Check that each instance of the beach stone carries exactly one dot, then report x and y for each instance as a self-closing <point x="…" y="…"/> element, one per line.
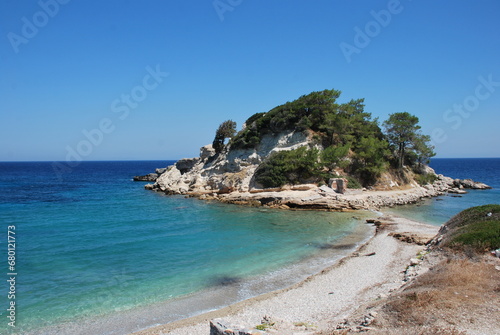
<point x="414" y="261"/>
<point x="457" y="191"/>
<point x="222" y="327"/>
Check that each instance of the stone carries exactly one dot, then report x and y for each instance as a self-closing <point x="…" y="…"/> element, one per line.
<point x="186" y="164"/>
<point x="207" y="151"/>
<point x="326" y="189"/>
<point x="312" y="198"/>
<point x="456" y="191"/>
<point x="338" y="184"/>
<point x="469" y="183"/>
<point x="160" y="171"/>
<point x="148" y="177"/>
<point x="221" y="327"/>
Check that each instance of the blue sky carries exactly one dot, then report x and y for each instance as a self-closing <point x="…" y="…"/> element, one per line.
<point x="119" y="80"/>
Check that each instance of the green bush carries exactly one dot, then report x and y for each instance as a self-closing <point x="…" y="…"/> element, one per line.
<point x="333" y="157"/>
<point x="288" y="167"/>
<point x="476" y="227"/>
<point x="481" y="235"/>
<point x="424" y="179"/>
<point x="353" y="183"/>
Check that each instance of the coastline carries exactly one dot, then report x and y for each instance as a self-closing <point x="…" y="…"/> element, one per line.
<point x="322" y="300"/>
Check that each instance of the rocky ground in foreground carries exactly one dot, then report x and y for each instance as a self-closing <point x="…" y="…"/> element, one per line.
<point x="453" y="287"/>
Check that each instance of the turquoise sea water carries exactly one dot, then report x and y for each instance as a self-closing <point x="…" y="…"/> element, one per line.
<point x="440" y="209"/>
<point x="98" y="254"/>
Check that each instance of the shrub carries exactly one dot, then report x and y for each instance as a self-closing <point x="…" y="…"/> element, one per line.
<point x="288" y="167"/>
<point x="481" y="235"/>
<point x="476" y="227"/>
<point x="333" y="156"/>
<point x="353" y="183"/>
<point x="424" y="179"/>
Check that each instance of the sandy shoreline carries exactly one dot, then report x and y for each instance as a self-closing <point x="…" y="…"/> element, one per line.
<point x="325" y="299"/>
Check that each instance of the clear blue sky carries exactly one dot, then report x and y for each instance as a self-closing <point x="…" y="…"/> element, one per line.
<point x="68" y="69"/>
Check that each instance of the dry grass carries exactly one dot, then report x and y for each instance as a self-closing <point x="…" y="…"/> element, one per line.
<point x="454" y="293"/>
<point x="420" y="331"/>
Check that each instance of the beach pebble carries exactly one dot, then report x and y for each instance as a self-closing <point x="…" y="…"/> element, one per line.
<point x="414" y="261"/>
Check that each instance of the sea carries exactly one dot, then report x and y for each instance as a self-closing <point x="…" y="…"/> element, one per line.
<point x="86" y="250"/>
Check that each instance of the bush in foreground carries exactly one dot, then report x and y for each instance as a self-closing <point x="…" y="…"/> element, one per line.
<point x="477" y="228"/>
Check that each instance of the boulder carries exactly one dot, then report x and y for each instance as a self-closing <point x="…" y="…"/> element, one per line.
<point x="221" y="327"/>
<point x="206" y="152"/>
<point x="186" y="164"/>
<point x="148" y="177"/>
<point x="326" y="189"/>
<point x="160" y="171"/>
<point x="456" y="191"/>
<point x="469" y="183"/>
<point x="338" y="184"/>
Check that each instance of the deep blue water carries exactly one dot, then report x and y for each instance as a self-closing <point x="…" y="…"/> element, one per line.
<point x="98" y="254"/>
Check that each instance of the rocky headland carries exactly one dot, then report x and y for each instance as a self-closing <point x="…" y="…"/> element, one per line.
<point x="230" y="178"/>
<point x="313" y="153"/>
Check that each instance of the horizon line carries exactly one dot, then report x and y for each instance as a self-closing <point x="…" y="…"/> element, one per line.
<point x="158" y="160"/>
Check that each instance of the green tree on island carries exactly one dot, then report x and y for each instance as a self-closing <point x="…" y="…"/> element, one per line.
<point x="226" y="129"/>
<point x="403" y="134"/>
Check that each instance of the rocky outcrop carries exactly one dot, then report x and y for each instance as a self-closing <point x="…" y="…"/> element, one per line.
<point x="229" y="177"/>
<point x="226" y="172"/>
<point x="469" y="183"/>
<point x="150" y="176"/>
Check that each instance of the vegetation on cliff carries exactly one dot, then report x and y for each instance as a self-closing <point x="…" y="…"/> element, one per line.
<point x="477" y="228"/>
<point x="344" y="139"/>
<point x="226" y="129"/>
